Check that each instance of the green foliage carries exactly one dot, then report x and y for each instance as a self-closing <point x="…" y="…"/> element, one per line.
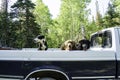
<point x="116" y="5"/>
<point x="98" y="16"/>
<point x="73" y="15"/>
<point x="43" y="16"/>
<point x="25" y="28"/>
<point x="4" y="29"/>
<point x="112" y="18"/>
<point x="55" y="35"/>
<point x="26" y="21"/>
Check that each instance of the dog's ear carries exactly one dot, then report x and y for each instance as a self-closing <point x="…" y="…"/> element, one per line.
<point x="41" y="36"/>
<point x="62" y="47"/>
<point x="74" y="45"/>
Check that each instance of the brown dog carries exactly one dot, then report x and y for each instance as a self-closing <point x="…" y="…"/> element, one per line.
<point x="68" y="45"/>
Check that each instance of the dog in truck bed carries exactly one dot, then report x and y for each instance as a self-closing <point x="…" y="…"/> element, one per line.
<point x="83" y="44"/>
<point x="68" y="45"/>
<point x="41" y="41"/>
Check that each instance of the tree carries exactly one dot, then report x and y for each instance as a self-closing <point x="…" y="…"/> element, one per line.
<point x="73" y="15"/>
<point x="27" y="28"/>
<point x="43" y="16"/>
<point x="112" y="17"/>
<point x="116" y="4"/>
<point x="4" y="28"/>
<point x="98" y="15"/>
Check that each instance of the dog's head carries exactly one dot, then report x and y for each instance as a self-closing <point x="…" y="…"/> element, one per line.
<point x="83" y="44"/>
<point x="68" y="45"/>
<point x="40" y="39"/>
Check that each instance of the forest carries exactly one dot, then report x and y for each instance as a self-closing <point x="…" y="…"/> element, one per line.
<point x="25" y="20"/>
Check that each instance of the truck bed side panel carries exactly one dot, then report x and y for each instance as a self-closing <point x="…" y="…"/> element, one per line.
<point x="78" y="64"/>
<point x="77" y="69"/>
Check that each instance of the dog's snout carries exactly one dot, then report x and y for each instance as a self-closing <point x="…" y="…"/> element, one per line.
<point x="43" y="41"/>
<point x="34" y="40"/>
<point x="84" y="45"/>
<point x="70" y="46"/>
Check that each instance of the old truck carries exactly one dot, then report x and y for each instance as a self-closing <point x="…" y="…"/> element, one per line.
<point x="101" y="61"/>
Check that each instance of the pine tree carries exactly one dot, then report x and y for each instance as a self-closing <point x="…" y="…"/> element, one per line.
<point x="28" y="28"/>
<point x="4" y="28"/>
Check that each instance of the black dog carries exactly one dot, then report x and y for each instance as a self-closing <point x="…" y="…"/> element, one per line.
<point x="40" y="39"/>
<point x="83" y="44"/>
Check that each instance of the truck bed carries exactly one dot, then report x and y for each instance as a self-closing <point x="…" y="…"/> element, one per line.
<point x="79" y="64"/>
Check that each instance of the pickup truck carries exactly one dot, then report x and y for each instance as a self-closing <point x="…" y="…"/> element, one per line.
<point x="101" y="61"/>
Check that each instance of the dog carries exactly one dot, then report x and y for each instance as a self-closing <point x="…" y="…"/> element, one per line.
<point x="83" y="44"/>
<point x="68" y="45"/>
<point x="40" y="39"/>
